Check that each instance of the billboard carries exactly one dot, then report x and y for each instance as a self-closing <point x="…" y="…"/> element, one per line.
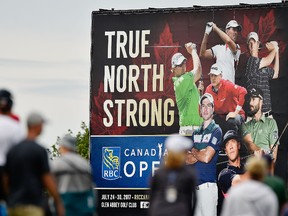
<point x="132" y="100"/>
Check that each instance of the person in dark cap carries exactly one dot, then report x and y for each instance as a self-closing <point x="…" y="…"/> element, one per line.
<point x="6" y="104"/>
<point x="74" y="179"/>
<point x="232" y="174"/>
<point x="27" y="174"/>
<point x="260" y="133"/>
<point x="11" y="132"/>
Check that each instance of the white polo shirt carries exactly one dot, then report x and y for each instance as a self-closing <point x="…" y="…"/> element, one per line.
<point x="11" y="133"/>
<point x="227" y="60"/>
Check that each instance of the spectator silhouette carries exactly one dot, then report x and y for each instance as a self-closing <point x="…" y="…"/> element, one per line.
<point x="11" y="133"/>
<point x="27" y="174"/>
<point x="73" y="176"/>
<point x="173" y="185"/>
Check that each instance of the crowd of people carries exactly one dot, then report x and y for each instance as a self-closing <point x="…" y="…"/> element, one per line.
<point x="233" y="117"/>
<point x="28" y="178"/>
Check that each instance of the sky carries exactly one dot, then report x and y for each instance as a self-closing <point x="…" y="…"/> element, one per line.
<point x="45" y="55"/>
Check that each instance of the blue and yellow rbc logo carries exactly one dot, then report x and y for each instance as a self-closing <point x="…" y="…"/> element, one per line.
<point x="111" y="163"/>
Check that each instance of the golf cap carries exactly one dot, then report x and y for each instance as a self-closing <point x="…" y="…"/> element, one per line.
<point x="231" y="134"/>
<point x="215" y="69"/>
<point x="209" y="97"/>
<point x="255" y="92"/>
<point x="177" y="59"/>
<point x="233" y="24"/>
<point x="177" y="143"/>
<point x="35" y="118"/>
<point x="6" y="99"/>
<point x="68" y="141"/>
<point x="253" y="35"/>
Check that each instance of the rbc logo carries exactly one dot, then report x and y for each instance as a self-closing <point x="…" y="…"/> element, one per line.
<point x="111" y="163"/>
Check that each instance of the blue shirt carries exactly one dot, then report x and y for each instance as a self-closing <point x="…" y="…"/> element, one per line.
<point x="202" y="138"/>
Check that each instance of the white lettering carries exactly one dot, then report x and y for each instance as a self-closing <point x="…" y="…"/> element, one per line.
<point x="121" y="77"/>
<point x="133" y="78"/>
<point x="137" y="45"/>
<point x="109" y="78"/>
<point x="168" y="103"/>
<point x="146" y="69"/>
<point x="159" y="77"/>
<point x="107" y="122"/>
<point x="129" y="76"/>
<point x="121" y="43"/>
<point x="144" y="112"/>
<point x="119" y="103"/>
<point x="155" y="112"/>
<point x="144" y="43"/>
<point x="143" y="167"/>
<point x="132" y="40"/>
<point x="109" y="44"/>
<point x="155" y="166"/>
<point x="130" y="112"/>
<point x="133" y="169"/>
<point x="130" y="168"/>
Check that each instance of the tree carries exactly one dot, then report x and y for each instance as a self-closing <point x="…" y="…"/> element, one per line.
<point x="82" y="143"/>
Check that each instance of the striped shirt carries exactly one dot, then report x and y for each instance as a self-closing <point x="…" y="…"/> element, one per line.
<point x="259" y="78"/>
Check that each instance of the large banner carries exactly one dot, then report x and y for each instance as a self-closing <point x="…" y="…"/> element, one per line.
<point x="132" y="99"/>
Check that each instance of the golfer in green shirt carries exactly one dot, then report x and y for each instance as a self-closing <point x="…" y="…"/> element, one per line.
<point x="260" y="133"/>
<point x="186" y="92"/>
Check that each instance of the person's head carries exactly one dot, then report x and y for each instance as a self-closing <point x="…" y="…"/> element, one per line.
<point x="67" y="144"/>
<point x="178" y="64"/>
<point x="231" y="145"/>
<point x="35" y="123"/>
<point x="215" y="75"/>
<point x="177" y="147"/>
<point x="232" y="29"/>
<point x="256" y="168"/>
<point x="6" y="101"/>
<point x="255" y="98"/>
<point x="253" y="42"/>
<point x="206" y="106"/>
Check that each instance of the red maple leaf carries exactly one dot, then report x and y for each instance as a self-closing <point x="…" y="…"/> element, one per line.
<point x="248" y="27"/>
<point x="266" y="26"/>
<point x="164" y="54"/>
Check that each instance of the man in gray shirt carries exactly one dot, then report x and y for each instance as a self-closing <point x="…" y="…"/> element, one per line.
<point x="73" y="176"/>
